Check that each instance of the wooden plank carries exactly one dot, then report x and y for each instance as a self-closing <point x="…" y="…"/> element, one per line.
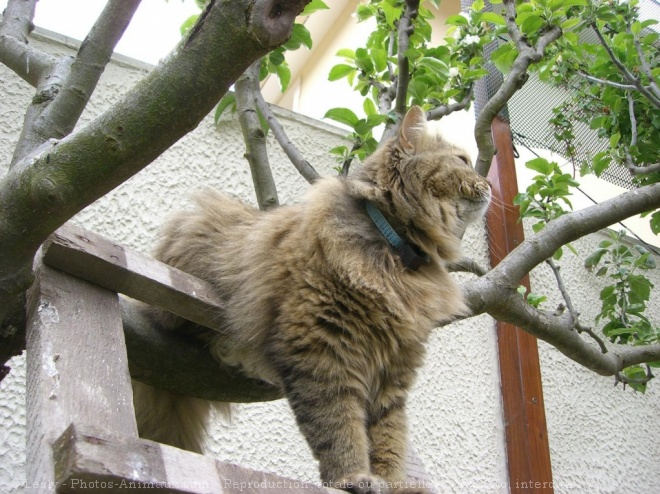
<point x="91" y="257"/>
<point x="76" y="367"/>
<point x="528" y="452"/>
<point x="88" y="459"/>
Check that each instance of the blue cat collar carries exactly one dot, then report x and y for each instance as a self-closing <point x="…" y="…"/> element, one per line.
<point x="411" y="256"/>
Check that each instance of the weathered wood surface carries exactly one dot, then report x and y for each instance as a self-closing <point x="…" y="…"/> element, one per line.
<point x="91" y="257"/>
<point x="527" y="447"/>
<point x="77" y="371"/>
<point x="164" y="360"/>
<point x="87" y="459"/>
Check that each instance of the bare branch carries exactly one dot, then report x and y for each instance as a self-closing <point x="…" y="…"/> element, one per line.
<point x="466" y="265"/>
<point x="646" y="67"/>
<point x="495" y="291"/>
<point x="570" y="227"/>
<point x="398" y="91"/>
<point x="443" y="110"/>
<point x="68" y="86"/>
<point x="59" y="179"/>
<point x="26" y="61"/>
<point x="635" y="81"/>
<point x="605" y="82"/>
<point x="406" y="29"/>
<point x="505" y="304"/>
<point x="94" y="54"/>
<point x="247" y="86"/>
<point x="518" y="75"/>
<point x="564" y="292"/>
<point x="575" y="315"/>
<point x="643" y="170"/>
<point x="303" y="166"/>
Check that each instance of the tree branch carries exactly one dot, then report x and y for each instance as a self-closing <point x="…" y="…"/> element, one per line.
<point x="627" y="75"/>
<point x="646" y="67"/>
<point x="443" y="110"/>
<point x="247" y="86"/>
<point x="518" y="75"/>
<point x="59" y="179"/>
<point x="495" y="292"/>
<point x="399" y="88"/>
<point x="56" y="110"/>
<point x="466" y="265"/>
<point x="406" y="28"/>
<point x="26" y="61"/>
<point x="605" y="82"/>
<point x="505" y="304"/>
<point x="303" y="166"/>
<point x="575" y="315"/>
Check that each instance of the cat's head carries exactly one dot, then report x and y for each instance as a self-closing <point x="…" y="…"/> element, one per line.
<point x="425" y="185"/>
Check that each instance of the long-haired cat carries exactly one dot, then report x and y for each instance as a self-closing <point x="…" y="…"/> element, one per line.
<point x="332" y="300"/>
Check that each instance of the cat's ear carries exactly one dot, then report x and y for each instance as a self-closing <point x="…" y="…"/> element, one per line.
<point x="412" y="130"/>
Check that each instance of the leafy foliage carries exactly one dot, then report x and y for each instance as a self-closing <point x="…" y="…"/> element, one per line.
<point x="435" y="74"/>
<point x="610" y="62"/>
<point x="546" y="198"/>
<point x="624" y="301"/>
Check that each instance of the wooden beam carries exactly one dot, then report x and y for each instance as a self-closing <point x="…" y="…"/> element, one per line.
<point x="528" y="452"/>
<point x="190" y="369"/>
<point x="90" y="460"/>
<point x="76" y="367"/>
<point x="91" y="257"/>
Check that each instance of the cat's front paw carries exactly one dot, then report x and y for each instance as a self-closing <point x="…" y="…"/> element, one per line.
<point x="363" y="483"/>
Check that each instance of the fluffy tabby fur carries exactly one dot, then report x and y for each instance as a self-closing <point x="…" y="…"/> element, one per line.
<point x="318" y="303"/>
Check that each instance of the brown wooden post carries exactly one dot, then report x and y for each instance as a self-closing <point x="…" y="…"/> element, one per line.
<point x="77" y="370"/>
<point x="528" y="453"/>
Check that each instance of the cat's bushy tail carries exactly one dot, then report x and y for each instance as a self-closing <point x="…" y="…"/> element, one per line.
<point x="172" y="418"/>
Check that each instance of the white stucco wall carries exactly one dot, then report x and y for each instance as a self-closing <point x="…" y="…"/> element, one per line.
<point x="602" y="439"/>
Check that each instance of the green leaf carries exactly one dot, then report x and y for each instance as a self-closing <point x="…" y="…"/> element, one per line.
<point x="493" y="17"/>
<point x="346" y="53"/>
<point x="284" y="74"/>
<point x="369" y="107"/>
<point x="478" y="5"/>
<point x="392" y="12"/>
<point x="540" y="165"/>
<point x="535" y="300"/>
<point x="225" y="102"/>
<point x="342" y="115"/>
<point x="188" y="24"/>
<point x="299" y="36"/>
<point x="339" y="71"/>
<point x="607" y="292"/>
<point x="600" y="162"/>
<point x="503" y="57"/>
<point x="314" y="6"/>
<point x="570" y="23"/>
<point x="456" y="20"/>
<point x="655" y="222"/>
<point x="594" y="258"/>
<point x="532" y="24"/>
